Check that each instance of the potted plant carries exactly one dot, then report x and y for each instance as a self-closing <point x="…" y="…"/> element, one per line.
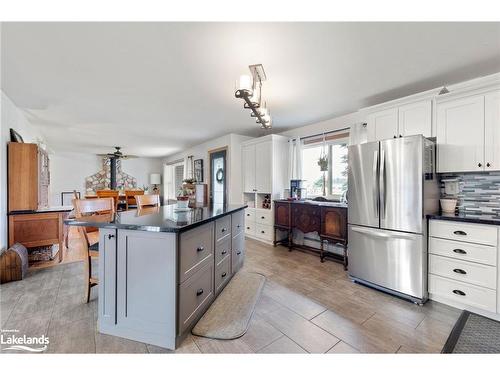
<point x="323" y="163"/>
<point x="183" y="197"/>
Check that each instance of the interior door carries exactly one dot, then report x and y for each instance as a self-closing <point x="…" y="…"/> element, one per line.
<point x="248" y="168"/>
<point x="492" y="131"/>
<point x="263" y="167"/>
<point x="363" y="193"/>
<point x="218" y="181"/>
<point x="401" y="182"/>
<point x="460" y="135"/>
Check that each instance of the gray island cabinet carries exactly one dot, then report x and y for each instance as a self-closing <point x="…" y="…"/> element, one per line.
<point x="160" y="269"/>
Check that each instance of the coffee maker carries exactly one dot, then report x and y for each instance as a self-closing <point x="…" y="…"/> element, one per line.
<point x="297" y="191"/>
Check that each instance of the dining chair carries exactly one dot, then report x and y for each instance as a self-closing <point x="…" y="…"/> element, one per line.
<point x="130" y="201"/>
<point x="147" y="200"/>
<point x="115" y="194"/>
<point x="95" y="210"/>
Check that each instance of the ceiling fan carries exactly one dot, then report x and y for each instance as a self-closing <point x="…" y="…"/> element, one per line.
<point x="118" y="154"/>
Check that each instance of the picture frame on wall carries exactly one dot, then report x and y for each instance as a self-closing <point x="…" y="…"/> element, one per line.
<point x="198" y="170"/>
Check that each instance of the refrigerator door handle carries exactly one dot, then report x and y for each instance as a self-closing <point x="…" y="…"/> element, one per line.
<point x="378" y="234"/>
<point x="382" y="184"/>
<point x="375" y="185"/>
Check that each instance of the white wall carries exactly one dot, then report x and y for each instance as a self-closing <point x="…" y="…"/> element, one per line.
<point x="11" y="117"/>
<point x="69" y="170"/>
<point x="233" y="174"/>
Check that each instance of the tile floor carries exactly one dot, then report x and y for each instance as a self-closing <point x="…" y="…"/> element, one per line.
<point x="306" y="307"/>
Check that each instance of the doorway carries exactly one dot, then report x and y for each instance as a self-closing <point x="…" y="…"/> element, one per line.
<point x="218" y="179"/>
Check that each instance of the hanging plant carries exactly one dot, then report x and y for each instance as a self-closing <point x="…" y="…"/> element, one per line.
<point x="323" y="163"/>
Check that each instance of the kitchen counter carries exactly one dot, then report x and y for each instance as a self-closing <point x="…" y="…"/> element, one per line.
<point x="162" y="219"/>
<point x="467" y="218"/>
<point x="161" y="268"/>
<point x="44" y="210"/>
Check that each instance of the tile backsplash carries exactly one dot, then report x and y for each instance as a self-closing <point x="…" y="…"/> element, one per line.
<point x="479" y="193"/>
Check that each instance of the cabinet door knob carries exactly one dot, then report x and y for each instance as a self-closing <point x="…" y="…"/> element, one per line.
<point x="488" y="164"/>
<point x="395" y="137"/>
<point x="238" y="253"/>
<point x="224" y="274"/>
<point x="400" y="136"/>
<point x="224" y="252"/>
<point x="479" y="165"/>
<point x="460" y="233"/>
<point x="223" y="230"/>
<point x="110" y="236"/>
<point x="248" y="214"/>
<point x="199" y="292"/>
<point x="200" y="248"/>
<point x="248" y="227"/>
<point x="460" y="271"/>
<point x="262" y="217"/>
<point x="459" y="251"/>
<point x="459" y="292"/>
<point x="238" y="226"/>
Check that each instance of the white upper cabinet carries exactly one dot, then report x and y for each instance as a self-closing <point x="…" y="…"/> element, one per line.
<point x="263" y="167"/>
<point x="248" y="156"/>
<point x="383" y="124"/>
<point x="416" y="118"/>
<point x="492" y="131"/>
<point x="409" y="119"/>
<point x="460" y="134"/>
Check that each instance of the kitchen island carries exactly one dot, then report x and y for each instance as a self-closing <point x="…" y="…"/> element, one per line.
<point x="161" y="268"/>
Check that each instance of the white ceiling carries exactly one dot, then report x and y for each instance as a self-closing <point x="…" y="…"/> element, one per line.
<point x="156" y="88"/>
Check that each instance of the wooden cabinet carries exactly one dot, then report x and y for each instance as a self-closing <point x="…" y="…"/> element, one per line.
<point x="334" y="223"/>
<point x="492" y="131"/>
<point x="409" y="119"/>
<point x="460" y="135"/>
<point x="28" y="177"/>
<point x="263" y="167"/>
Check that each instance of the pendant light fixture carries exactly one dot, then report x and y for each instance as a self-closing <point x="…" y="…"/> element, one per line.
<point x="249" y="88"/>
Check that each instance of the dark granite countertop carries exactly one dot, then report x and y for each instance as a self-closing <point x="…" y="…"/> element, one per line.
<point x="316" y="203"/>
<point x="161" y="219"/>
<point x="467" y="218"/>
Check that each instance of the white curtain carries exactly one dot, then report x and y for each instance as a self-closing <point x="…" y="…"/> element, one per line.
<point x="358" y="134"/>
<point x="295" y="159"/>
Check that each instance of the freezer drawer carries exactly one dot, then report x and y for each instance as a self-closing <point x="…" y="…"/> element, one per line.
<point x="392" y="260"/>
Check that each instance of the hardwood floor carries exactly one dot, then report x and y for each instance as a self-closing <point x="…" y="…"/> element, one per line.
<point x="306" y="306"/>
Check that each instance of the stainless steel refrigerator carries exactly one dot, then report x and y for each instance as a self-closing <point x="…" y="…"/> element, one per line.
<point x="392" y="187"/>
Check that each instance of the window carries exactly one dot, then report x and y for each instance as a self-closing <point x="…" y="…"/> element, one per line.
<point x="333" y="182"/>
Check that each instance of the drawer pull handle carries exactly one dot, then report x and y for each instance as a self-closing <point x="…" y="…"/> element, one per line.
<point x="262" y="217"/>
<point x="460" y="233"/>
<point x="458" y="270"/>
<point x="224" y="274"/>
<point x="248" y="227"/>
<point x="459" y="251"/>
<point x="199" y="292"/>
<point x="248" y="214"/>
<point x="238" y="253"/>
<point x="238" y="226"/>
<point x="224" y="252"/>
<point x="459" y="292"/>
<point x="110" y="236"/>
<point x="201" y="248"/>
<point x="223" y="230"/>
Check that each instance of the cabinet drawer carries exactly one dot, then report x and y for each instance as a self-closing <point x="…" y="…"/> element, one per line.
<point x="195" y="250"/>
<point x="264" y="231"/>
<point x="463" y="251"/>
<point x="474" y="273"/>
<point x="237" y="222"/>
<point x="475" y="233"/>
<point x="195" y="295"/>
<point x="264" y="217"/>
<point x="249" y="215"/>
<point x="238" y="252"/>
<point x="250" y="228"/>
<point x="463" y="293"/>
<point x="222" y="227"/>
<point x="222" y="249"/>
<point x="222" y="274"/>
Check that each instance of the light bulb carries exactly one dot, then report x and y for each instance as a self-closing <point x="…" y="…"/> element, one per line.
<point x="245" y="83"/>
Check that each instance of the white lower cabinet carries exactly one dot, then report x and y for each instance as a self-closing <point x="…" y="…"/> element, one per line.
<point x="259" y="224"/>
<point x="463" y="269"/>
